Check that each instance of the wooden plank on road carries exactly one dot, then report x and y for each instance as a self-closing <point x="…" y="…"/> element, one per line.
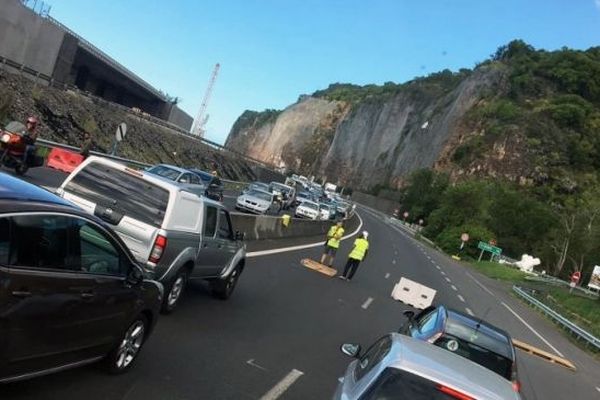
<point x="324" y="269"/>
<point x="544" y="354"/>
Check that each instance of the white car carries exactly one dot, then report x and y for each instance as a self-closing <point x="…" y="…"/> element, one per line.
<point x="308" y="209"/>
<point x="255" y="201"/>
<point x="325" y="212"/>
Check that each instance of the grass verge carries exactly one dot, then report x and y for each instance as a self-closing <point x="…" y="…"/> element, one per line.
<point x="499" y="271"/>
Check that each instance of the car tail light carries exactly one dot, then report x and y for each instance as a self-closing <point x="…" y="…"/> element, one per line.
<point x="160" y="243"/>
<point x="454" y="393"/>
<point x="516" y="386"/>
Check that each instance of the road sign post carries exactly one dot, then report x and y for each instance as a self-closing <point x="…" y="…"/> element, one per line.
<point x="119" y="136"/>
<point x="493" y="250"/>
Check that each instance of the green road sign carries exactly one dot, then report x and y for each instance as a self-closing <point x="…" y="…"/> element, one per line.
<point x="488" y="247"/>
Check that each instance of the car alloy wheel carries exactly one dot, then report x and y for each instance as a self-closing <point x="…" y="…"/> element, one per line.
<point x="131" y="344"/>
<point x="232" y="280"/>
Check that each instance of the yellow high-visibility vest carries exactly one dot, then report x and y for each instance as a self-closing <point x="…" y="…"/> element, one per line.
<point x="361" y="246"/>
<point x="331" y="231"/>
<point x="334" y="240"/>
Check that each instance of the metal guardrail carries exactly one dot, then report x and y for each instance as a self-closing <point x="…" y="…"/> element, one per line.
<point x="562" y="321"/>
<point x="50" y="144"/>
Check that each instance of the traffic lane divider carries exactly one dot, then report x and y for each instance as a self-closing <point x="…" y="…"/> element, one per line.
<point x="63" y="160"/>
<point x="271" y="227"/>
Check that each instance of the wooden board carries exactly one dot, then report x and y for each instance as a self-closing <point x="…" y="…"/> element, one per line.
<point x="544" y="354"/>
<point x="317" y="266"/>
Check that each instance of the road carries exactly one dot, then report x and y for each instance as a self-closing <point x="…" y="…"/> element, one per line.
<point x="287" y="321"/>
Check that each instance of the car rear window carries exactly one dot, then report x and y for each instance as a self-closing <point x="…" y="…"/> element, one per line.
<point x="122" y="192"/>
<point x="399" y="384"/>
<point x="165" y="172"/>
<point x="480" y="355"/>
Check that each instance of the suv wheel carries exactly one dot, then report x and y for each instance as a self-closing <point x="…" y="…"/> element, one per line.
<point x="174" y="292"/>
<point x="223" y="288"/>
<point x="121" y="358"/>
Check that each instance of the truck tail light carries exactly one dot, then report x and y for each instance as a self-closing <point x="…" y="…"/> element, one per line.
<point x="160" y="243"/>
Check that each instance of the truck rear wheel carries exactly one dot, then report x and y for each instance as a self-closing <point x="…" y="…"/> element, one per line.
<point x="174" y="291"/>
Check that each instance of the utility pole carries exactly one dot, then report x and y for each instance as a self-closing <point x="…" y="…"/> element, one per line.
<point x="200" y="121"/>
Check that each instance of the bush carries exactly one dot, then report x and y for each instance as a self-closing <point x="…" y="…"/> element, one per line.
<point x="449" y="239"/>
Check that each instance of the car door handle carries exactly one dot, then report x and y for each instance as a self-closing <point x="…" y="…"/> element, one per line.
<point x="21" y="293"/>
<point x="86" y="295"/>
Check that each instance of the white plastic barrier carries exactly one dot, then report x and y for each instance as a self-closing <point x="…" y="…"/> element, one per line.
<point x="414" y="294"/>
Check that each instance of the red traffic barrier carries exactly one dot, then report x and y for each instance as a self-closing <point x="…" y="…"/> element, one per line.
<point x="64" y="160"/>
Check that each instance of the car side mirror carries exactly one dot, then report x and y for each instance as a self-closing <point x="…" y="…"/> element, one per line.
<point x="135" y="276"/>
<point x="351" y="350"/>
<point x="410" y="315"/>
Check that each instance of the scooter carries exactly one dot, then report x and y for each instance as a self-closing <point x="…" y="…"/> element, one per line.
<point x="13" y="144"/>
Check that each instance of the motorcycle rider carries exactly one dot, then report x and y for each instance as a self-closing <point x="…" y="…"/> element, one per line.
<point x="29" y="136"/>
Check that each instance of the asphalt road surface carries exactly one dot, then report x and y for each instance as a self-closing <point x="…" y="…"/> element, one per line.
<point x="286" y="323"/>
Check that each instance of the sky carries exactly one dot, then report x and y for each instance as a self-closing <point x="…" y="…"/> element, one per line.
<point x="272" y="51"/>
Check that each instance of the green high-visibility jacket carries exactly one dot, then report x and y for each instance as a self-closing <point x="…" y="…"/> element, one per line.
<point x="361" y="246"/>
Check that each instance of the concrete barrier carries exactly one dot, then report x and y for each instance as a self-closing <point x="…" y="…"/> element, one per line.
<point x="269" y="227"/>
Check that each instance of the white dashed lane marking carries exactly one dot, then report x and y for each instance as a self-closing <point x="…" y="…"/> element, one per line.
<point x="367" y="303"/>
<point x="438" y="267"/>
<point x="442" y="272"/>
<point x="454" y="288"/>
<point x="461" y="298"/>
<point x="387" y="275"/>
<point x="448" y="280"/>
<point x="283" y="385"/>
<point x="393" y="261"/>
<point x="255" y="365"/>
<point x="469" y="311"/>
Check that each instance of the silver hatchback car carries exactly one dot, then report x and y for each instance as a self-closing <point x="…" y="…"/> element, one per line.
<point x="400" y="367"/>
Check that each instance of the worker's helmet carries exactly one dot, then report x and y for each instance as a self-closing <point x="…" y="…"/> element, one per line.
<point x="365" y="234"/>
<point x="32" y="120"/>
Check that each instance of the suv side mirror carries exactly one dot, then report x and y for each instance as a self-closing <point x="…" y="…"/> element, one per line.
<point x="135" y="276"/>
<point x="351" y="350"/>
<point x="410" y="315"/>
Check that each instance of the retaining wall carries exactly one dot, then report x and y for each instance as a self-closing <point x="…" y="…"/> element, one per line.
<point x="267" y="227"/>
<point x="384" y="205"/>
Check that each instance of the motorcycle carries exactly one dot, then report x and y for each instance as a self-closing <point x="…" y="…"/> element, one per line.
<point x="13" y="144"/>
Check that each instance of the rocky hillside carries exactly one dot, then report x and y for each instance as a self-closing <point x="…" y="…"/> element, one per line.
<point x="527" y="115"/>
<point x="65" y="115"/>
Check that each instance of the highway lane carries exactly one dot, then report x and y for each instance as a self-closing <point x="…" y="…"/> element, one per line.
<point x="285" y="318"/>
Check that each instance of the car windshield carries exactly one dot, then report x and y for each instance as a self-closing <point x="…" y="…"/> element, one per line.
<point x="259" y="195"/>
<point x="324" y="207"/>
<point x="15" y="127"/>
<point x="165" y="172"/>
<point x="399" y="384"/>
<point x="311" y="205"/>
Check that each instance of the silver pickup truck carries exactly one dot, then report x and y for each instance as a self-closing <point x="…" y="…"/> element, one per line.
<point x="176" y="235"/>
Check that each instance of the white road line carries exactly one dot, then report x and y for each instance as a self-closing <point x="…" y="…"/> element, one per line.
<point x="393" y="261"/>
<point x="461" y="298"/>
<point x="442" y="272"/>
<point x="300" y="247"/>
<point x="438" y="267"/>
<point x="367" y="303"/>
<point x="387" y="275"/>
<point x="448" y="280"/>
<point x="481" y="285"/>
<point x="252" y="363"/>
<point x="469" y="311"/>
<point x="283" y="385"/>
<point x="531" y="329"/>
<point x="454" y="288"/>
<point x="598" y="388"/>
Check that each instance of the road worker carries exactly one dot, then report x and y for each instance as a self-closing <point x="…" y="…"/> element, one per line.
<point x="358" y="253"/>
<point x="334" y="235"/>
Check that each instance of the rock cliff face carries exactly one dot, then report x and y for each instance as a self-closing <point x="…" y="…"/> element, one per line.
<point x="374" y="141"/>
